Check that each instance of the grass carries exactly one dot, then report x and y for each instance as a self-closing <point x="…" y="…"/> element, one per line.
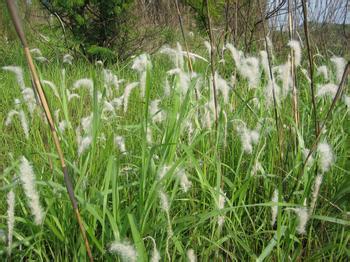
<point x="118" y="193"/>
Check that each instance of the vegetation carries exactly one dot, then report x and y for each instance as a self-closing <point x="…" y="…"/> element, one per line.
<point x="160" y="176"/>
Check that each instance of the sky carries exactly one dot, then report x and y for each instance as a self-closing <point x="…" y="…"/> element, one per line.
<point x="330" y="11"/>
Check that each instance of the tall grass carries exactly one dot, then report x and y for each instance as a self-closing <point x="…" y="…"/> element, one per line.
<point x="181" y="186"/>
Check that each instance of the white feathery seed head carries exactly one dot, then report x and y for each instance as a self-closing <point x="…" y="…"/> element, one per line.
<point x="156" y="113"/>
<point x="222" y="86"/>
<point x="208" y="47"/>
<point x="18" y="73"/>
<point x="191" y="256"/>
<point x="83" y="144"/>
<point x="67" y="59"/>
<point x="339" y="63"/>
<point x="140" y="63"/>
<point x="327" y="90"/>
<point x="125" y="250"/>
<point x="120" y="143"/>
<point x="315" y="191"/>
<point x="127" y="92"/>
<point x="236" y="55"/>
<point x="248" y="137"/>
<point x="86" y="83"/>
<point x="164" y="201"/>
<point x="28" y="182"/>
<point x="29" y="98"/>
<point x="323" y="70"/>
<point x="52" y="86"/>
<point x="325" y="156"/>
<point x="184" y="182"/>
<point x="36" y="52"/>
<point x="10" y="116"/>
<point x="10" y="219"/>
<point x="295" y="46"/>
<point x="274" y="208"/>
<point x="24" y="123"/>
<point x="303" y="218"/>
<point x="163" y="171"/>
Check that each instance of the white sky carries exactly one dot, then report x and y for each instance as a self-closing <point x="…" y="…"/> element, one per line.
<point x="330" y="11"/>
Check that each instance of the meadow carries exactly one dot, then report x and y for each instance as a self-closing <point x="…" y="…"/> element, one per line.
<point x="167" y="169"/>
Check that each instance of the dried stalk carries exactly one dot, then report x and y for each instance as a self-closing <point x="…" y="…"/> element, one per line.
<point x="269" y="58"/>
<point x="311" y="68"/>
<point x="40" y="92"/>
<point x="212" y="61"/>
<point x="293" y="68"/>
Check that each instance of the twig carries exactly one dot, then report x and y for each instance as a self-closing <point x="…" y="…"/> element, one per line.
<point x="19" y="29"/>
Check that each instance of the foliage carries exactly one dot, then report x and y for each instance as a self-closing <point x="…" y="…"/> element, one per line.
<point x="96" y="25"/>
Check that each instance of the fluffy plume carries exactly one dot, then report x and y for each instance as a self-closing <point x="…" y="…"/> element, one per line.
<point x="156" y="114"/>
<point x="164" y="201"/>
<point x="315" y="191"/>
<point x="41" y="59"/>
<point x="265" y="63"/>
<point x="339" y="64"/>
<point x="126" y="251"/>
<point x="52" y="86"/>
<point x="84" y="82"/>
<point x="272" y="87"/>
<point x="10" y="116"/>
<point x="248" y="137"/>
<point x="140" y="63"/>
<point x="86" y="123"/>
<point x="295" y="46"/>
<point x="222" y="86"/>
<point x="184" y="182"/>
<point x="257" y="168"/>
<point x="163" y="171"/>
<point x="36" y="52"/>
<point x="120" y="143"/>
<point x="303" y="218"/>
<point x="67" y="59"/>
<point x="10" y="219"/>
<point x="327" y="89"/>
<point x="24" y="123"/>
<point x="155" y="257"/>
<point x="110" y="80"/>
<point x="62" y="125"/>
<point x="29" y="98"/>
<point x="326" y="157"/>
<point x="28" y="181"/>
<point x="84" y="144"/>
<point x="249" y="68"/>
<point x="322" y="70"/>
<point x="274" y="208"/>
<point x="208" y="47"/>
<point x="19" y="74"/>
<point x="191" y="256"/>
<point x="221" y="205"/>
<point x="236" y="55"/>
<point x="127" y="93"/>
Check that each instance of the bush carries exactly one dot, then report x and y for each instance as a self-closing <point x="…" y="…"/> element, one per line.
<point x="97" y="25"/>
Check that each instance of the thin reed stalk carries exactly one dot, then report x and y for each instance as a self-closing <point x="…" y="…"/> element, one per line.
<point x="212" y="60"/>
<point x="311" y="68"/>
<point x="293" y="67"/>
<point x="40" y="92"/>
<point x="269" y="58"/>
